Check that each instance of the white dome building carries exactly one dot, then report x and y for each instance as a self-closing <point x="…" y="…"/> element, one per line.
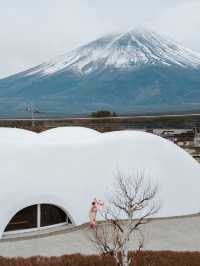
<point x="49" y="179"/>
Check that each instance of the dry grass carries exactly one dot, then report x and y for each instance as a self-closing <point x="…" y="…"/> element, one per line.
<point x="147" y="258"/>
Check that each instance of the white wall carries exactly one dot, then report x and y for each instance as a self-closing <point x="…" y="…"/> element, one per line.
<point x="75" y="165"/>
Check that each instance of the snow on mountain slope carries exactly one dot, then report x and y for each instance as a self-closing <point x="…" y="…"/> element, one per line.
<point x="126" y="50"/>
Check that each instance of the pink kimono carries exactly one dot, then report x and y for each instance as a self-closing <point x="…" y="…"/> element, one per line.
<point x="93" y="212"/>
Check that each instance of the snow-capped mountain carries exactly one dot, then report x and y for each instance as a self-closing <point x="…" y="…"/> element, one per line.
<point x="126" y="50"/>
<point x="138" y="70"/>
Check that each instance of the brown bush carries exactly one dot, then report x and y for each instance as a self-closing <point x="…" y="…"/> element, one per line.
<point x="67" y="260"/>
<point x="145" y="258"/>
<point x="167" y="258"/>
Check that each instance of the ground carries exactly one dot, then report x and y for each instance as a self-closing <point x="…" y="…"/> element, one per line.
<point x="176" y="233"/>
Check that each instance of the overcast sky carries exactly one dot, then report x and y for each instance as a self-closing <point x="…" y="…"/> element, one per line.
<point x="33" y="31"/>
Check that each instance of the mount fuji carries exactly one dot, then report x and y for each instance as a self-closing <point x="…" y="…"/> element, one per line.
<point x="135" y="71"/>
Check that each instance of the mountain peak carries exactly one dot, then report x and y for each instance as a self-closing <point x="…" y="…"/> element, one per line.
<point x="120" y="72"/>
<point x="130" y="49"/>
<point x="141" y="30"/>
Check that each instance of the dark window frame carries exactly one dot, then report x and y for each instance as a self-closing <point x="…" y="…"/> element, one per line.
<point x="37" y="217"/>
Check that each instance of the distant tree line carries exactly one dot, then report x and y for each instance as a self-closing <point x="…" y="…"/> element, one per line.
<point x="103" y="113"/>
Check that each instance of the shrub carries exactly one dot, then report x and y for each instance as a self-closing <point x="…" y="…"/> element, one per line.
<point x="144" y="258"/>
<point x="103" y="113"/>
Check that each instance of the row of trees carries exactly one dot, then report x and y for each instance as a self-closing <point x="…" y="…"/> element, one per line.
<point x="103" y="113"/>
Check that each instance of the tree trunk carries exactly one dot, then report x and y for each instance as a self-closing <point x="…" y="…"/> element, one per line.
<point x="125" y="260"/>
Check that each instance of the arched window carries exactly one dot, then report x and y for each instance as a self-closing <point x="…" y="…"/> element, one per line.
<point x="37" y="217"/>
<point x="51" y="215"/>
<point x="24" y="219"/>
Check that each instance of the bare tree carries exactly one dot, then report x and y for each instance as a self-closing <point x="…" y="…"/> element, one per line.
<point x="130" y="206"/>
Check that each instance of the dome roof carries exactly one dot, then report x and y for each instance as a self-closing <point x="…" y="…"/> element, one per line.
<point x="45" y="168"/>
<point x="68" y="134"/>
<point x="15" y="133"/>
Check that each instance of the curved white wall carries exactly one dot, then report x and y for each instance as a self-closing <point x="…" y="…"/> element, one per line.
<point x="74" y="165"/>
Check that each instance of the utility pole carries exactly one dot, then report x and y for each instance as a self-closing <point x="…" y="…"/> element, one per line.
<point x="31" y="110"/>
<point x="32" y="115"/>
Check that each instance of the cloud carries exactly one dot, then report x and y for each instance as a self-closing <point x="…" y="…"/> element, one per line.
<point x="35" y="31"/>
<point x="181" y="23"/>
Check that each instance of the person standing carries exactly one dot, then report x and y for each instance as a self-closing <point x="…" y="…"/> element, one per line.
<point x="93" y="212"/>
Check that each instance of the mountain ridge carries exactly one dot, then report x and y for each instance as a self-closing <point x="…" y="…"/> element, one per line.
<point x="135" y="70"/>
<point x="122" y="50"/>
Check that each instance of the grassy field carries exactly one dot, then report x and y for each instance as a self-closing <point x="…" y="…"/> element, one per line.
<point x="107" y="124"/>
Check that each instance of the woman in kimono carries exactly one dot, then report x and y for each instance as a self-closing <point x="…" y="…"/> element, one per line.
<point x="93" y="212"/>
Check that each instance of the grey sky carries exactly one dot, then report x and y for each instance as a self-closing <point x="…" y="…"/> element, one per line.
<point x="34" y="31"/>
